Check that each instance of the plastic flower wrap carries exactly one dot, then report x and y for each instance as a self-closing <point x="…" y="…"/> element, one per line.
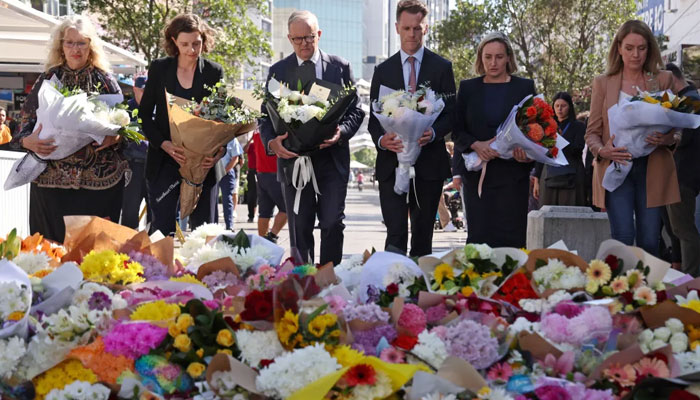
<point x="15" y="300"/>
<point x="408" y="115"/>
<point x="634" y="120"/>
<point x="246" y="251"/>
<point x="383" y="269"/>
<point x="108" y="266"/>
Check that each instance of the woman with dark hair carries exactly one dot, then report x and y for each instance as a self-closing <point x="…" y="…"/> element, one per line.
<point x="564" y="186"/>
<point x="499" y="216"/>
<point x="184" y="73"/>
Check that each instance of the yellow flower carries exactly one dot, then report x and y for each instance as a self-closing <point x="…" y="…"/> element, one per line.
<point x="599" y="272"/>
<point x="492" y="273"/>
<point x="347" y="356"/>
<point x="524" y="250"/>
<point x="467" y="291"/>
<point x="184" y="321"/>
<point x="484" y="391"/>
<point x="317" y="327"/>
<point x="694" y="345"/>
<point x="443" y="271"/>
<point x="200" y="353"/>
<point x="472" y="274"/>
<point x="651" y="100"/>
<point x="592" y="287"/>
<point x="173" y="330"/>
<point x="187" y="278"/>
<point x="224" y="338"/>
<point x="693" y="305"/>
<point x="287" y="327"/>
<point x="666" y="104"/>
<point x="224" y="351"/>
<point x="156" y="311"/>
<point x="183" y="343"/>
<point x="108" y="266"/>
<point x="196" y="369"/>
<point x="15" y="316"/>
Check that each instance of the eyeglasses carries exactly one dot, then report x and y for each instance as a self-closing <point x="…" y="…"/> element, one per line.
<point x="307" y="39"/>
<point x="80" y="45"/>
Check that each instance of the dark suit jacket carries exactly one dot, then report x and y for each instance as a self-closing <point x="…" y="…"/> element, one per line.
<point x="470" y="126"/>
<point x="687" y="155"/>
<point x="335" y="70"/>
<point x="435" y="71"/>
<point x="574" y="150"/>
<point x="162" y="76"/>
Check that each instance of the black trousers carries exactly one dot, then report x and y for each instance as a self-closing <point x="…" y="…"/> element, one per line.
<point x="134" y="192"/>
<point x="48" y="206"/>
<point x="396" y="210"/>
<point x="499" y="217"/>
<point x="164" y="198"/>
<point x="251" y="194"/>
<point x="329" y="206"/>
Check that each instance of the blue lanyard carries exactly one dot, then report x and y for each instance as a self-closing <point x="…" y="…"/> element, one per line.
<point x="565" y="128"/>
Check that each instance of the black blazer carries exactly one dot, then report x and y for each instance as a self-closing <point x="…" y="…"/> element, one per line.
<point x="574" y="151"/>
<point x="435" y="71"/>
<point x="335" y="70"/>
<point x="470" y="126"/>
<point x="162" y="76"/>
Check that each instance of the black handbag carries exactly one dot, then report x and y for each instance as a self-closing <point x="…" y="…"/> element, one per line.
<point x="567" y="181"/>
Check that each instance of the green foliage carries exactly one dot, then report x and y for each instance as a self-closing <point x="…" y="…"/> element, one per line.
<point x="10" y="247"/>
<point x="138" y="25"/>
<point x="367" y="156"/>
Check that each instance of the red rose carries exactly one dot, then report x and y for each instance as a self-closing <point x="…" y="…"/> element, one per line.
<point x="531" y="113"/>
<point x="265" y="363"/>
<point x="392" y="289"/>
<point x="554" y="151"/>
<point x="613" y="262"/>
<point x="661" y="296"/>
<point x="628" y="297"/>
<point x="258" y="306"/>
<point x="535" y="132"/>
<point x="405" y="342"/>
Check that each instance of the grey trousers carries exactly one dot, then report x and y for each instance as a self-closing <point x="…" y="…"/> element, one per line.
<point x="682" y="216"/>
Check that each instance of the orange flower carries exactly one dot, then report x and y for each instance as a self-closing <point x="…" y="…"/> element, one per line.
<point x="30" y="243"/>
<point x="106" y="366"/>
<point x="531" y="113"/>
<point x="551" y="129"/>
<point x="535" y="132"/>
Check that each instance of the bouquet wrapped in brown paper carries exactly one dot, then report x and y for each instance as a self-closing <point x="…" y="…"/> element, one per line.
<point x="202" y="129"/>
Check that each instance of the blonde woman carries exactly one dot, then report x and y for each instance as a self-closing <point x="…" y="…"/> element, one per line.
<point x="499" y="216"/>
<point x="634" y="208"/>
<point x="90" y="181"/>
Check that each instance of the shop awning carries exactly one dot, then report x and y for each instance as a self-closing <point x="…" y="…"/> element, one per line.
<point x="24" y="36"/>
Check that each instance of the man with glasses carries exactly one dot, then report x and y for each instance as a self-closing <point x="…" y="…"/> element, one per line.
<point x="331" y="163"/>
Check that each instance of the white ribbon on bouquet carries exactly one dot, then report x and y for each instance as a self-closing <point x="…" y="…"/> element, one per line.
<point x="508" y="137"/>
<point x="302" y="174"/>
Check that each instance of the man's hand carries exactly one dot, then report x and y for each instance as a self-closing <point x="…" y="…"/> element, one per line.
<point x="520" y="156"/>
<point x="108" y="141"/>
<point x="209" y="162"/>
<point x="484" y="151"/>
<point x="330" y="142"/>
<point x="176" y="152"/>
<point x="42" y="147"/>
<point x="425" y="138"/>
<point x="278" y="148"/>
<point x="391" y="142"/>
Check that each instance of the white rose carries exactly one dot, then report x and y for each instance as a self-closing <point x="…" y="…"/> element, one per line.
<point x="675" y="325"/>
<point x="294" y="96"/>
<point x="646" y="337"/>
<point x="662" y="333"/>
<point x="657" y="344"/>
<point x="120" y="117"/>
<point x="679" y="342"/>
<point x="427" y="106"/>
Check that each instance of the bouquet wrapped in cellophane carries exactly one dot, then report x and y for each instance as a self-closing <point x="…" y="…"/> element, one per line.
<point x="633" y="121"/>
<point x="202" y="129"/>
<point x="73" y="119"/>
<point x="408" y="115"/>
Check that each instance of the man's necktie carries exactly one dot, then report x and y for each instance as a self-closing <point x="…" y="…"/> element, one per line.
<point x="307" y="73"/>
<point x="412" y="75"/>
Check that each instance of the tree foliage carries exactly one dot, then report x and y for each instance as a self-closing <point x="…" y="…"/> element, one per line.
<point x="561" y="44"/>
<point x="367" y="156"/>
<point x="137" y="25"/>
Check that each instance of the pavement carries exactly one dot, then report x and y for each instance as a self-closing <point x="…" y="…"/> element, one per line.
<point x="363" y="226"/>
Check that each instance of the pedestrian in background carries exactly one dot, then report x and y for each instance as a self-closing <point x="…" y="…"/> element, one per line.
<point x="229" y="182"/>
<point x="5" y="133"/>
<point x="269" y="192"/>
<point x="251" y="196"/>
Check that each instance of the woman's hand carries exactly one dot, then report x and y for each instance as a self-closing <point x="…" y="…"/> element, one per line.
<point x="209" y="162"/>
<point x="108" y="141"/>
<point x="520" y="156"/>
<point x="42" y="147"/>
<point x="484" y="150"/>
<point x="660" y="139"/>
<point x="535" y="187"/>
<point x="176" y="152"/>
<point x="615" y="154"/>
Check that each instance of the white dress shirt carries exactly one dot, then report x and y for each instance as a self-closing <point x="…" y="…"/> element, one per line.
<point x="316" y="59"/>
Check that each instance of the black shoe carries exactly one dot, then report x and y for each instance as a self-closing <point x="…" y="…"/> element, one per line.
<point x="272" y="237"/>
<point x="250" y="220"/>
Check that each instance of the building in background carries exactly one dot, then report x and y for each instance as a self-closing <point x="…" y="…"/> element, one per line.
<point x="340" y="21"/>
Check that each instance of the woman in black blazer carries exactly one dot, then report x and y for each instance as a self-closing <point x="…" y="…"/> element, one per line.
<point x="499" y="216"/>
<point x="183" y="73"/>
<point x="565" y="185"/>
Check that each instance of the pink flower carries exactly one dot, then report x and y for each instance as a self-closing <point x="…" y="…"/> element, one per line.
<point x="652" y="367"/>
<point x="392" y="355"/>
<point x="561" y="366"/>
<point x="412" y="319"/>
<point x="440" y="331"/>
<point x="335" y="303"/>
<point x="646" y="295"/>
<point x="500" y="372"/>
<point x="624" y="376"/>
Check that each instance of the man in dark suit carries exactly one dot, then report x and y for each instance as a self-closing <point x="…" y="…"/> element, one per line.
<point x="331" y="163"/>
<point x="412" y="66"/>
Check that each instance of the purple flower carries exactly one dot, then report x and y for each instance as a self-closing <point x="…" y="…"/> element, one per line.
<point x="552" y="392"/>
<point x="367" y="341"/>
<point x="369" y="312"/>
<point x="134" y="339"/>
<point x="153" y="269"/>
<point x="372" y="294"/>
<point x="436" y="313"/>
<point x="568" y="309"/>
<point x="99" y="301"/>
<point x="220" y="278"/>
<point x="472" y="342"/>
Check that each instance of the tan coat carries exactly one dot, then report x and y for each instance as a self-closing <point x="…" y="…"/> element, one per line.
<point x="662" y="182"/>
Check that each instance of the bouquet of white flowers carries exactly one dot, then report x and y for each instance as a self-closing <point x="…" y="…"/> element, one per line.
<point x="408" y="115"/>
<point x="73" y="119"/>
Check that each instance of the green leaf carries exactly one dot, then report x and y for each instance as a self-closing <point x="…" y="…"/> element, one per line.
<point x="240" y="240"/>
<point x="540" y="263"/>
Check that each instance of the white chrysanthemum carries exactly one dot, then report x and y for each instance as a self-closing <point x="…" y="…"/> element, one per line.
<point x="522" y="324"/>
<point x="13" y="298"/>
<point x="120" y="117"/>
<point x="689" y="362"/>
<point x="646" y="337"/>
<point x="485" y="251"/>
<point x="431" y="349"/>
<point x="206" y="230"/>
<point x="42" y="354"/>
<point x="209" y="253"/>
<point x="188" y="249"/>
<point x="80" y="390"/>
<point x="32" y="263"/>
<point x="246" y="258"/>
<point x="675" y="325"/>
<point x="82" y="295"/>
<point x="496" y="394"/>
<point x="11" y="352"/>
<point x="292" y="371"/>
<point x="258" y="345"/>
<point x="438" y="396"/>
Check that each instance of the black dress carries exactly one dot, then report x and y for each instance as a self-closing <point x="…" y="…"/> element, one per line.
<point x="499" y="217"/>
<point x="162" y="177"/>
<point x="84" y="183"/>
